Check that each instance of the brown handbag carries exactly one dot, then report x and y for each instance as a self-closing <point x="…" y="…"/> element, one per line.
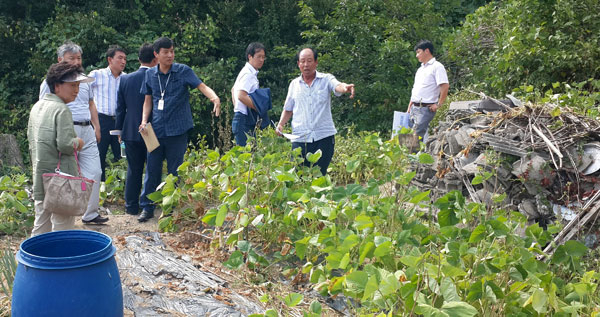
<point x="66" y="194"/>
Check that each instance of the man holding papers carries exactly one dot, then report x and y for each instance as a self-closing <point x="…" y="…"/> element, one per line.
<point x="166" y="88"/>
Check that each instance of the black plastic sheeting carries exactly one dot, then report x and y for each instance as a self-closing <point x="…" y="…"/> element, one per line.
<point x="159" y="282"/>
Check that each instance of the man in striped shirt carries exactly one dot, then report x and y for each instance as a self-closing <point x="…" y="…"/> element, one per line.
<point x="105" y="96"/>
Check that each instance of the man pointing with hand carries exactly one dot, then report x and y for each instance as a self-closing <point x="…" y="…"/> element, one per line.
<point x="309" y="102"/>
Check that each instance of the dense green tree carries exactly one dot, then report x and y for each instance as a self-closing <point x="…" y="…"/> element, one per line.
<point x="506" y="44"/>
<point x="365" y="42"/>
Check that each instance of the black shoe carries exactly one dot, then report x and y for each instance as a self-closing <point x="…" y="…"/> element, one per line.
<point x="98" y="220"/>
<point x="145" y="215"/>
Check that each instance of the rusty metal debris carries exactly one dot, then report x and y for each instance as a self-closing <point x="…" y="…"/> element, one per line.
<point x="526" y="157"/>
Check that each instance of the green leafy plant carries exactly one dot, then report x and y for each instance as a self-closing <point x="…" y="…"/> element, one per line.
<point x="16" y="209"/>
<point x="8" y="268"/>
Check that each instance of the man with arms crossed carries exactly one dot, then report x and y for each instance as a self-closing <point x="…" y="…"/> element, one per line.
<point x="245" y="84"/>
<point x="130" y="103"/>
<point x="309" y="102"/>
<point x="105" y="96"/>
<point x="166" y="88"/>
<point x="85" y="115"/>
<point x="429" y="90"/>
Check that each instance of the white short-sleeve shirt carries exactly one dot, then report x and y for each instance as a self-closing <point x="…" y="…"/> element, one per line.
<point x="311" y="107"/>
<point x="80" y="107"/>
<point x="428" y="79"/>
<point x="247" y="81"/>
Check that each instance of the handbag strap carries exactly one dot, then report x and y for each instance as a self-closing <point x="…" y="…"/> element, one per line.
<point x="76" y="160"/>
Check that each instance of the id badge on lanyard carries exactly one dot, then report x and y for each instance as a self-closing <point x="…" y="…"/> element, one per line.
<point x="161" y="101"/>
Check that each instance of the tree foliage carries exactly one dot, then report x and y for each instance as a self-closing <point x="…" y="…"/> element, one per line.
<point x="368" y="43"/>
<point x="507" y="44"/>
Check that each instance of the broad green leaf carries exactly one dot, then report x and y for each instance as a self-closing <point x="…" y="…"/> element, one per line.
<point x="236" y="259"/>
<point x="389" y="285"/>
<point x="452" y="271"/>
<point x="293" y="299"/>
<point x="475" y="291"/>
<point x="244" y="246"/>
<point x="449" y="290"/>
<point x="478" y="234"/>
<point x="500" y="229"/>
<point x="264" y="298"/>
<point x="478" y="179"/>
<point x="410" y="261"/>
<point x="210" y="217"/>
<point x="371" y="287"/>
<point x="221" y="215"/>
<point x="539" y="301"/>
<point x="366" y="251"/>
<point x="430" y="311"/>
<point x="155" y="196"/>
<point x="425" y="158"/>
<point x="383" y="249"/>
<point x="271" y="313"/>
<point x="356" y="282"/>
<point x="344" y="261"/>
<point x="362" y="221"/>
<point x="165" y="223"/>
<point x="350" y="241"/>
<point x="575" y="248"/>
<point x="419" y="197"/>
<point x="352" y="165"/>
<point x="315" y="307"/>
<point x="447" y="217"/>
<point x="314" y="157"/>
<point x="459" y="309"/>
<point x="286" y="177"/>
<point x="334" y="259"/>
<point x="301" y="246"/>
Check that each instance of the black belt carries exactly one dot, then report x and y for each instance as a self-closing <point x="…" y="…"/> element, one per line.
<point x="105" y="115"/>
<point x="420" y="104"/>
<point x="82" y="123"/>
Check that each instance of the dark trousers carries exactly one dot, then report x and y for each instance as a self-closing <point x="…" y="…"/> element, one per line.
<point x="326" y="146"/>
<point x="172" y="149"/>
<point x="136" y="158"/>
<point x="107" y="123"/>
<point x="242" y="126"/>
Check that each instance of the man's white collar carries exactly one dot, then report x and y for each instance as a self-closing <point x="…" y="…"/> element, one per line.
<point x="429" y="62"/>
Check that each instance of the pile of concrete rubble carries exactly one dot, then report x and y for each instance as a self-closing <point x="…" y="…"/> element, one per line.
<point x="545" y="159"/>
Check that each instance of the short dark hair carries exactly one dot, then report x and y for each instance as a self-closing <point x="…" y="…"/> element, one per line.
<point x="58" y="72"/>
<point x="146" y="53"/>
<point x="113" y="49"/>
<point x="163" y="42"/>
<point x="423" y="45"/>
<point x="253" y="48"/>
<point x="315" y="54"/>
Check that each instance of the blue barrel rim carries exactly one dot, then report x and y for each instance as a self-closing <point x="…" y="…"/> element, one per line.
<point x="61" y="263"/>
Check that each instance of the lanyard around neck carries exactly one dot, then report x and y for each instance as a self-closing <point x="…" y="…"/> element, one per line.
<point x="162" y="92"/>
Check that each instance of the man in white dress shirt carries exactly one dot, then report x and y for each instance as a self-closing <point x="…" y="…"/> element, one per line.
<point x="309" y="102"/>
<point x="245" y="84"/>
<point x="429" y="90"/>
<point x="105" y="96"/>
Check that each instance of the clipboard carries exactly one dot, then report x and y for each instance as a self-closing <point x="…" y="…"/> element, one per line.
<point x="149" y="138"/>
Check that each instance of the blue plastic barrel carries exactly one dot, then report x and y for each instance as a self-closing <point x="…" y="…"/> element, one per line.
<point x="67" y="273"/>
